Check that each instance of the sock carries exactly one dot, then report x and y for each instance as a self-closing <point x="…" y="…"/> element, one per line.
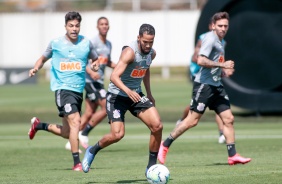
<point x="86" y="130"/>
<point x="152" y="159"/>
<point x="42" y="126"/>
<point x="231" y="149"/>
<point x="76" y="159"/>
<point x="95" y="149"/>
<point x="168" y="141"/>
<point x="220" y="133"/>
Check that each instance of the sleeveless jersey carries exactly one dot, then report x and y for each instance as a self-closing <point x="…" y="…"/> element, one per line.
<point x="134" y="72"/>
<point x="104" y="52"/>
<point x="69" y="62"/>
<point x="213" y="49"/>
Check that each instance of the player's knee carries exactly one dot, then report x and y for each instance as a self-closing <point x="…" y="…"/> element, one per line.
<point x="117" y="136"/>
<point x="157" y="128"/>
<point x="228" y="121"/>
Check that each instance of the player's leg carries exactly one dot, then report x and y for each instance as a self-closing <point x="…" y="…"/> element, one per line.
<point x="190" y="121"/>
<point x="219" y="122"/>
<point x="99" y="115"/>
<point x="153" y="121"/>
<point x="223" y="110"/>
<point x="115" y="112"/>
<point x="184" y="114"/>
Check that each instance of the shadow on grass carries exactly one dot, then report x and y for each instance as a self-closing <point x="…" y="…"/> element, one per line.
<point x="217" y="164"/>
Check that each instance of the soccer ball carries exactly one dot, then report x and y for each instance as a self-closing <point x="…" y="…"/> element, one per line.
<point x="158" y="174"/>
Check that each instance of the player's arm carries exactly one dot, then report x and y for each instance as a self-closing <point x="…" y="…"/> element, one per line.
<point x="94" y="62"/>
<point x="196" y="51"/>
<point x="127" y="56"/>
<point x="94" y="75"/>
<point x="38" y="65"/>
<point x="146" y="82"/>
<point x="205" y="62"/>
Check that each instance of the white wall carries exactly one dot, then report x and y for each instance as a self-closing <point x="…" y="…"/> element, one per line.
<point x="24" y="37"/>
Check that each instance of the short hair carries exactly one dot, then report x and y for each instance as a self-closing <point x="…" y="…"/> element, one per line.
<point x="73" y="16"/>
<point x="100" y="18"/>
<point x="220" y="15"/>
<point x="146" y="28"/>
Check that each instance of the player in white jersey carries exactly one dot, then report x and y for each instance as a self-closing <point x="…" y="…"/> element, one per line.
<point x="70" y="55"/>
<point x="95" y="96"/>
<point x="208" y="91"/>
<point x="125" y="93"/>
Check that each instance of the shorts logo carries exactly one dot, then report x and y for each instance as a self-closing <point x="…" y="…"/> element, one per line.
<point x="70" y="66"/>
<point x="191" y="103"/>
<point x="138" y="73"/>
<point x="201" y="106"/>
<point x="116" y="114"/>
<point x="91" y="96"/>
<point x="226" y="97"/>
<point x="67" y="107"/>
<point x="103" y="93"/>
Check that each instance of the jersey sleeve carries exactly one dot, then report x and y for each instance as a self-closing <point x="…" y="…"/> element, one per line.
<point x="48" y="51"/>
<point x="92" y="54"/>
<point x="207" y="45"/>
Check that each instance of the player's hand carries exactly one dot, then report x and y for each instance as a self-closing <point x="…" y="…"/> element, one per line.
<point x="228" y="64"/>
<point x="95" y="66"/>
<point x="134" y="96"/>
<point x="227" y="72"/>
<point x="95" y="75"/>
<point x="32" y="72"/>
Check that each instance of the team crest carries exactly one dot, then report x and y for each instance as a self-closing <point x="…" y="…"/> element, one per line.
<point x="116" y="114"/>
<point x="201" y="106"/>
<point x="67" y="107"/>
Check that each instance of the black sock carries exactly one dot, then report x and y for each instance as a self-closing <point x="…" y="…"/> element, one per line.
<point x="95" y="149"/>
<point x="75" y="157"/>
<point x="86" y="130"/>
<point x="231" y="149"/>
<point x="220" y="132"/>
<point x="168" y="141"/>
<point x="42" y="126"/>
<point x="152" y="159"/>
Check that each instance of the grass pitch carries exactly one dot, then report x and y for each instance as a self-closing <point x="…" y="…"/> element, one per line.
<point x="195" y="157"/>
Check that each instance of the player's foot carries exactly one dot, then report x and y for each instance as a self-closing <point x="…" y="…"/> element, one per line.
<point x="177" y="122"/>
<point x="32" y="131"/>
<point x="146" y="172"/>
<point x="87" y="160"/>
<point x="77" y="167"/>
<point x="237" y="159"/>
<point x="162" y="153"/>
<point x="83" y="140"/>
<point x="68" y="147"/>
<point x="221" y="139"/>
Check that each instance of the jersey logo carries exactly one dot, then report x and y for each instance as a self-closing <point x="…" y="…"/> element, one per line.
<point x="70" y="66"/>
<point x="138" y="73"/>
<point x="221" y="59"/>
<point x="102" y="60"/>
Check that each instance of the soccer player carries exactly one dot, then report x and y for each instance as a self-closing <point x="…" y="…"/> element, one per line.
<point x="193" y="70"/>
<point x="125" y="93"/>
<point x="70" y="55"/>
<point x="209" y="92"/>
<point x="95" y="92"/>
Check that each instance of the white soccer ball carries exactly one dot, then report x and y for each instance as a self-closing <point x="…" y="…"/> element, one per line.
<point x="158" y="174"/>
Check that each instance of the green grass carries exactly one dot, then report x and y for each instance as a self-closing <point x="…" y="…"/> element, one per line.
<point x="195" y="157"/>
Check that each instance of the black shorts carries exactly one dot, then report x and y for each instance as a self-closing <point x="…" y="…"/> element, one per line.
<point x="95" y="91"/>
<point x="205" y="95"/>
<point x="117" y="106"/>
<point x="68" y="102"/>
